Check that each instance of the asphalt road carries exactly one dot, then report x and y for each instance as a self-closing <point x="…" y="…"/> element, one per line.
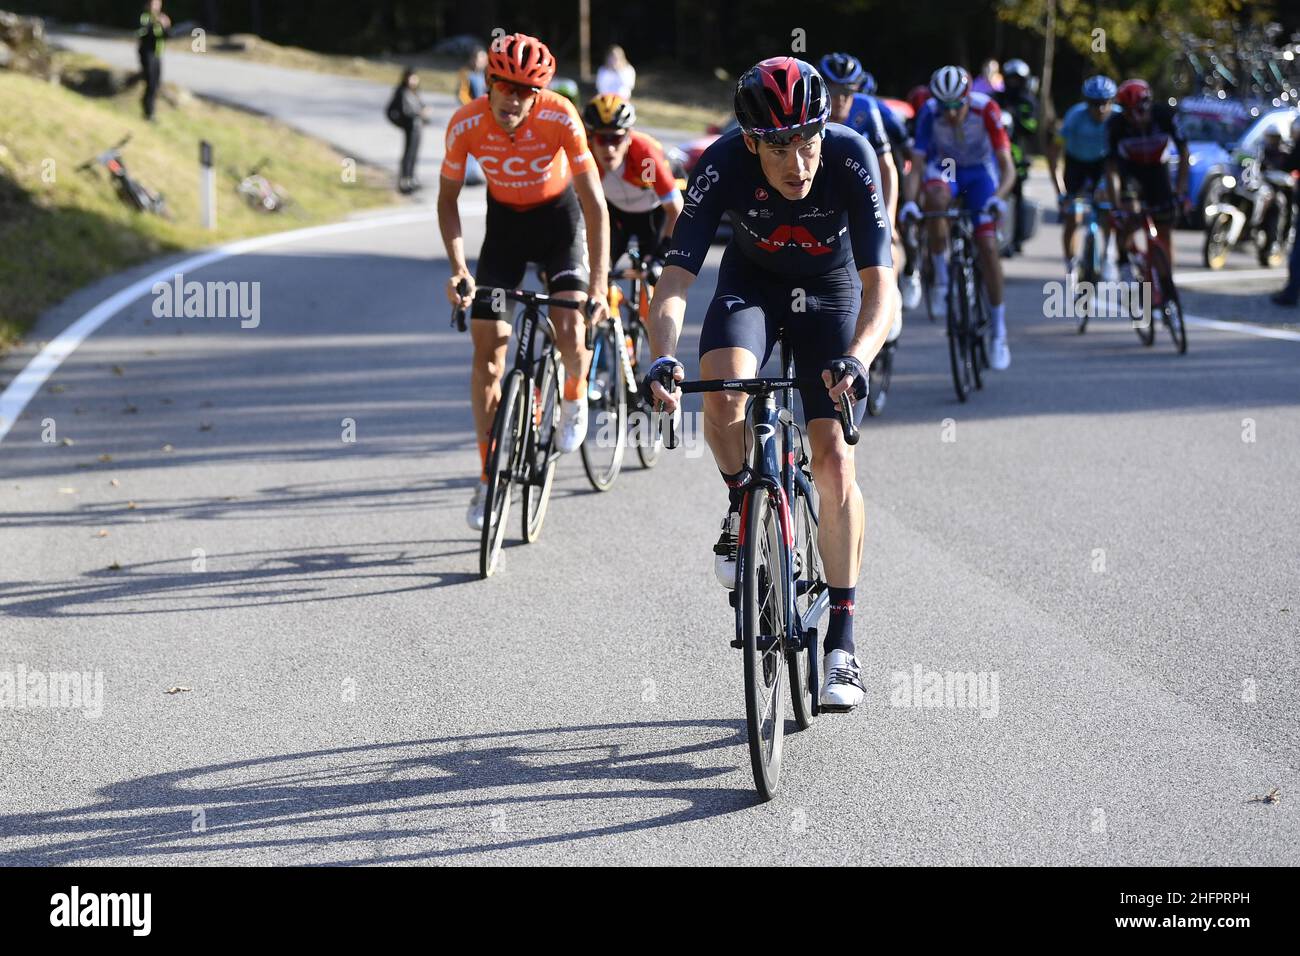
<point x="1096" y="536"/>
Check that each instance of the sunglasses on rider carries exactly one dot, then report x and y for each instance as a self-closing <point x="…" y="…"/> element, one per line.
<point x="952" y="106"/>
<point x="1099" y="104"/>
<point x="609" y="139"/>
<point x="844" y="89"/>
<point x="792" y="135"/>
<point x="507" y="88"/>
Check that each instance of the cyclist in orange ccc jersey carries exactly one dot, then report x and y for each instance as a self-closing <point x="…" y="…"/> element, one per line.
<point x="544" y="206"/>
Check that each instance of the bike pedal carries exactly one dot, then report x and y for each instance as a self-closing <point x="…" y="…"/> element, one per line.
<point x="731" y="598"/>
<point x="738" y="644"/>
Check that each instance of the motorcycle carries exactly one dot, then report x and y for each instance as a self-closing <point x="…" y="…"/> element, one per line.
<point x="1254" y="208"/>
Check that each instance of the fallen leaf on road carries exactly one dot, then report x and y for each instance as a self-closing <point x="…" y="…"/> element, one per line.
<point x="58" y="389"/>
<point x="67" y="442"/>
<point x="178" y="690"/>
<point x="1273" y="796"/>
<point x="205" y="426"/>
<point x="130" y="410"/>
<point x="114" y="482"/>
<point x="118" y="370"/>
<point x="166" y="401"/>
<point x="101" y="533"/>
<point x="168" y="448"/>
<point x="130" y="506"/>
<point x="105" y="457"/>
<point x="115" y="566"/>
<point x="205" y="404"/>
<point x="67" y="491"/>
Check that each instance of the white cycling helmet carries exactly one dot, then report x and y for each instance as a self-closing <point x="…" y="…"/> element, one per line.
<point x="949" y="84"/>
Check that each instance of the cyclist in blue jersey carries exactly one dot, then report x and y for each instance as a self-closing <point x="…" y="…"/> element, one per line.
<point x="854" y="105"/>
<point x="810" y="253"/>
<point x="1084" y="139"/>
<point x="962" y="149"/>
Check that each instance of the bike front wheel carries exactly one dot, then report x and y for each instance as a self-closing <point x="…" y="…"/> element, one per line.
<point x="1171" y="307"/>
<point x="606" y="441"/>
<point x="504" y="450"/>
<point x="762" y="580"/>
<point x="649" y="441"/>
<point x="810" y="595"/>
<point x="540" y="448"/>
<point x="958" y="342"/>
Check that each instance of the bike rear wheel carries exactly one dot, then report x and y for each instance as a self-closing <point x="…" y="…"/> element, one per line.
<point x="540" y="448"/>
<point x="1171" y="307"/>
<point x="504" y="450"/>
<point x="810" y="586"/>
<point x="1146" y="327"/>
<point x="958" y="343"/>
<point x="878" y="378"/>
<point x="762" y="581"/>
<point x="606" y="441"/>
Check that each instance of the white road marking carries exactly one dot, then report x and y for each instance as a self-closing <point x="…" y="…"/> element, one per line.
<point x="1237" y="275"/>
<point x="1244" y="328"/>
<point x="46" y="362"/>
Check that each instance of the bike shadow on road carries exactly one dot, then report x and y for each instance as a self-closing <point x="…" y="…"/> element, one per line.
<point x="241" y="579"/>
<point x="403" y="802"/>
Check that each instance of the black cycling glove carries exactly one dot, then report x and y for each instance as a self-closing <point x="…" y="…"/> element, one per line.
<point x="662" y="371"/>
<point x="849" y="366"/>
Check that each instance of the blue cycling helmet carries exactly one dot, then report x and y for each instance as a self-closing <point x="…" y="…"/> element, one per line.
<point x="1099" y="88"/>
<point x="868" y="83"/>
<point x="842" y="69"/>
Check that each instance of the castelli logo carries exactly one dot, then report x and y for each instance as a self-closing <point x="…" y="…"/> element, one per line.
<point x="760" y="194"/>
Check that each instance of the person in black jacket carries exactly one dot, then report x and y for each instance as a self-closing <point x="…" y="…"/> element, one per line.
<point x="154" y="25"/>
<point x="1289" y="160"/>
<point x="407" y="103"/>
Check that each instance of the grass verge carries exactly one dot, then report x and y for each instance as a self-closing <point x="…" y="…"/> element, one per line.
<point x="61" y="229"/>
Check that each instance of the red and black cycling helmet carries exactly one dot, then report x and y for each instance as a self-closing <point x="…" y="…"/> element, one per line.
<point x="519" y="58"/>
<point x="782" y="99"/>
<point x="917" y="96"/>
<point x="1133" y="92"/>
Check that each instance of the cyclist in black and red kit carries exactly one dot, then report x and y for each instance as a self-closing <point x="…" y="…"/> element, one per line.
<point x="1137" y="140"/>
<point x="810" y="252"/>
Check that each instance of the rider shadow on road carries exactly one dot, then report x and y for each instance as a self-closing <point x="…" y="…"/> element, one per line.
<point x="414" y="801"/>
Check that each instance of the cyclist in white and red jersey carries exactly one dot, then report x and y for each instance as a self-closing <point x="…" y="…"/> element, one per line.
<point x="640" y="189"/>
<point x="962" y="149"/>
<point x="543" y="188"/>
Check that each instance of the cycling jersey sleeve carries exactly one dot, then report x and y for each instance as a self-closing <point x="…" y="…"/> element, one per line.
<point x="923" y="139"/>
<point x="574" y="139"/>
<point x="1168" y="121"/>
<point x="456" y="145"/>
<point x="665" y="183"/>
<point x="859" y="178"/>
<point x="866" y="120"/>
<point x="998" y="138"/>
<point x="704" y="204"/>
<point x="893" y="128"/>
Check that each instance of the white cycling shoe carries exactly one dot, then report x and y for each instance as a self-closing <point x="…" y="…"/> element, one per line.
<point x="842" y="688"/>
<point x="477" y="506"/>
<point x="1000" y="355"/>
<point x="724" y="552"/>
<point x="910" y="288"/>
<point x="573" y="425"/>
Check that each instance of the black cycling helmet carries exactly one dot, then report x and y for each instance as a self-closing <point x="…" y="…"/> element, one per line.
<point x="608" y="112"/>
<point x="782" y="99"/>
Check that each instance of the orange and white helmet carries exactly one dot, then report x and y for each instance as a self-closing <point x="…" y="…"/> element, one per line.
<point x="521" y="59"/>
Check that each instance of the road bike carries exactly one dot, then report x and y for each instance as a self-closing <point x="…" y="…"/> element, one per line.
<point x="620" y="347"/>
<point x="129" y="189"/>
<point x="1092" y="254"/>
<point x="1150" y="262"/>
<point x="781" y="593"/>
<point x="967" y="308"/>
<point x="521" y="448"/>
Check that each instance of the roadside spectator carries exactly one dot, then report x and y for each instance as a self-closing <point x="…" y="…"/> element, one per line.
<point x="407" y="105"/>
<point x="989" y="80"/>
<point x="1290" y="161"/>
<point x="616" y="75"/>
<point x="471" y="83"/>
<point x="154" y="25"/>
